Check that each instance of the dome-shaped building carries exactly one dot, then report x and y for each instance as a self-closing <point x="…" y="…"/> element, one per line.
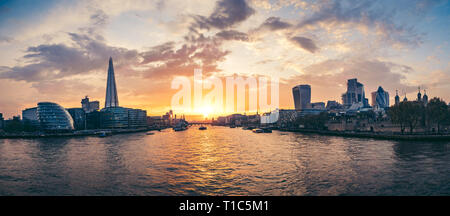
<point x="53" y="117"/>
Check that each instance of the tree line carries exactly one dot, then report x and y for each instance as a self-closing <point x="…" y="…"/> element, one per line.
<point x="411" y="114"/>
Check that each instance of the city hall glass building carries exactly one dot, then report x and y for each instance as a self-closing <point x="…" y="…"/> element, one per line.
<point x="53" y="117"/>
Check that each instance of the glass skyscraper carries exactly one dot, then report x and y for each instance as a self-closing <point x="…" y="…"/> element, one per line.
<point x="302" y="96"/>
<point x="355" y="94"/>
<point x="380" y="98"/>
<point x="112" y="99"/>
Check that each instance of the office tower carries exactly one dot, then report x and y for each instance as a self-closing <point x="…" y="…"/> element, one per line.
<point x="380" y="98"/>
<point x="111" y="91"/>
<point x="302" y="96"/>
<point x="355" y="94"/>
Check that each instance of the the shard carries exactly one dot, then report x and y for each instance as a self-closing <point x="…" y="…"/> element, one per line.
<point x="111" y="90"/>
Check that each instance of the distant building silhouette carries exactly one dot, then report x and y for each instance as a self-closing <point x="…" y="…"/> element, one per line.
<point x="318" y="105"/>
<point x="397" y="98"/>
<point x="333" y="105"/>
<point x="380" y="98"/>
<point x="302" y="96"/>
<point x="2" y="121"/>
<point x="425" y="97"/>
<point x="112" y="99"/>
<point x="355" y="94"/>
<point x="89" y="106"/>
<point x="419" y="95"/>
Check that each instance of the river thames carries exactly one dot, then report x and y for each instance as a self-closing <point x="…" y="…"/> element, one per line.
<point x="222" y="161"/>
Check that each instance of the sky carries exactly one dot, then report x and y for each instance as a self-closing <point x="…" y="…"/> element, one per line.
<point x="58" y="50"/>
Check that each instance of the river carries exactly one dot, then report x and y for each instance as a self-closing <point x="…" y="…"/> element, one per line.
<point x="222" y="161"/>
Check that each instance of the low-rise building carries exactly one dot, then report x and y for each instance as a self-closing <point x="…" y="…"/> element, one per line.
<point x="121" y="117"/>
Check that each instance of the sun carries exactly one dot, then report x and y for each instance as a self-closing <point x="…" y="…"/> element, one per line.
<point x="206" y="111"/>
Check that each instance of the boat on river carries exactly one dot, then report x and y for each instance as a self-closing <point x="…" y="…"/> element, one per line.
<point x="258" y="130"/>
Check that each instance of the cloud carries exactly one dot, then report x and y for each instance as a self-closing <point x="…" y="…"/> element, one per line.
<point x="274" y="24"/>
<point x="55" y="61"/>
<point x="5" y="39"/>
<point x="226" y="14"/>
<point x="364" y="14"/>
<point x="305" y="43"/>
<point x="232" y="35"/>
<point x="166" y="60"/>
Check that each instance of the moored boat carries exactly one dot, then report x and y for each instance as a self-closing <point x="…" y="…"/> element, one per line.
<point x="258" y="130"/>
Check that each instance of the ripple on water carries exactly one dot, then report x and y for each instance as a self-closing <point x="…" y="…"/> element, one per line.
<point x="222" y="161"/>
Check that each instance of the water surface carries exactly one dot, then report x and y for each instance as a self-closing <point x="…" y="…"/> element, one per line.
<point x="222" y="161"/>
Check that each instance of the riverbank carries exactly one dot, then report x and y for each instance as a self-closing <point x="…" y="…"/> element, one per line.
<point x="95" y="132"/>
<point x="375" y="135"/>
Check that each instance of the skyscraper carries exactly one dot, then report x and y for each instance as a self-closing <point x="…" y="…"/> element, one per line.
<point x="302" y="96"/>
<point x="380" y="98"/>
<point x="111" y="90"/>
<point x="355" y="94"/>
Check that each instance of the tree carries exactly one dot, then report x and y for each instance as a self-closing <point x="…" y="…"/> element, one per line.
<point x="407" y="114"/>
<point x="437" y="112"/>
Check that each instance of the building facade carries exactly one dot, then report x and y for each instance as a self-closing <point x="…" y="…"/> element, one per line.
<point x="89" y="106"/>
<point x="380" y="98"/>
<point x="302" y="96"/>
<point x="94" y="120"/>
<point x="112" y="99"/>
<point x="121" y="117"/>
<point x="355" y="94"/>
<point x="30" y="114"/>
<point x="318" y="105"/>
<point x="53" y="117"/>
<point x="2" y="121"/>
<point x="137" y="118"/>
<point x="114" y="117"/>
<point x="79" y="118"/>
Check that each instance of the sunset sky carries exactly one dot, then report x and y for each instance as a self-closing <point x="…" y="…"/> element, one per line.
<point x="58" y="51"/>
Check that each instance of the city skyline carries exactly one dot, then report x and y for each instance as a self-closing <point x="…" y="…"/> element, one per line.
<point x="322" y="44"/>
